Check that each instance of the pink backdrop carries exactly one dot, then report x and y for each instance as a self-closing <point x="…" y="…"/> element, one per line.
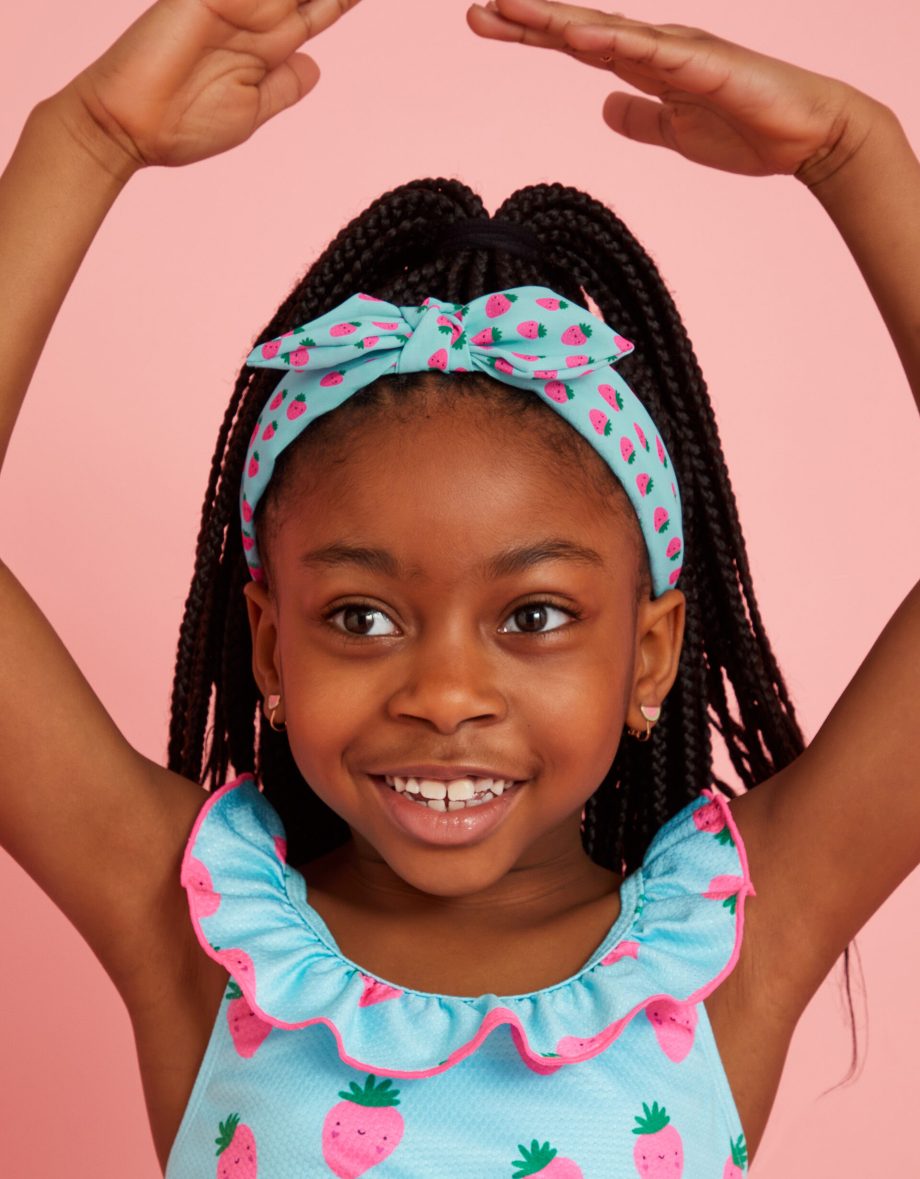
<point x="102" y="486"/>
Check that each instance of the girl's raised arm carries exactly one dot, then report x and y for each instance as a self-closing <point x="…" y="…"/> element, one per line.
<point x="814" y="830"/>
<point x="96" y="824"/>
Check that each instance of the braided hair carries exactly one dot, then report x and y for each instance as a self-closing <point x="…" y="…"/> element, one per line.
<point x="728" y="677"/>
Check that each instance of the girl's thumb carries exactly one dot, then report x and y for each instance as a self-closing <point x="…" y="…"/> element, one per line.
<point x="286" y="84"/>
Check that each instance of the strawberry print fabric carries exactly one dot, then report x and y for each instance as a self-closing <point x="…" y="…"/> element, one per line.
<point x="316" y="1067"/>
<point x="526" y="336"/>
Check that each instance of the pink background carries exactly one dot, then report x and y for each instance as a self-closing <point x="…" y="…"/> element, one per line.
<point x="103" y="483"/>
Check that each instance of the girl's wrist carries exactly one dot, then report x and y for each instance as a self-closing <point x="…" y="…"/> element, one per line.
<point x="102" y="154"/>
<point x="871" y="138"/>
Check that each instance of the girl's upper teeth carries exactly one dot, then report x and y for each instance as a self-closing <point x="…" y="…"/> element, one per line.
<point x="457" y="789"/>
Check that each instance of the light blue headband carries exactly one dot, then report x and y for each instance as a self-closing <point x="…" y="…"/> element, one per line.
<point x="527" y="336"/>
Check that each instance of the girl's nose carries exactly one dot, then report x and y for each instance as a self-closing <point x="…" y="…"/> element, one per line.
<point x="449" y="683"/>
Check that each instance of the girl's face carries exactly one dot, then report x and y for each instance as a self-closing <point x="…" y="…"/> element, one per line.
<point x="445" y="604"/>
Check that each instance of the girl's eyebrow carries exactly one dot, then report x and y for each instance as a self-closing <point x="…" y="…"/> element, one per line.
<point x="503" y="564"/>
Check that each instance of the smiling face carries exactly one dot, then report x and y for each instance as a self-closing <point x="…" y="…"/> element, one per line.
<point x="442" y="598"/>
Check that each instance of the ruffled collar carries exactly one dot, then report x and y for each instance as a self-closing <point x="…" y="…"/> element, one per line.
<point x="678" y="934"/>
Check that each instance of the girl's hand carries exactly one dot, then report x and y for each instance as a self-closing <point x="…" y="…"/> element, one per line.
<point x="192" y="78"/>
<point x="714" y="102"/>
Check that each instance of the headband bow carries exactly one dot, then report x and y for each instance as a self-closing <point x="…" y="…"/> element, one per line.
<point x="525" y="336"/>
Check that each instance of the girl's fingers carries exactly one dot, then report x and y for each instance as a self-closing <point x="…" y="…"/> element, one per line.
<point x="538" y="23"/>
<point x="285" y="85"/>
<point x="685" y="59"/>
<point x="318" y="15"/>
<point x="637" y="118"/>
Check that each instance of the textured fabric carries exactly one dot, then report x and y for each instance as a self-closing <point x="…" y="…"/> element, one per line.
<point x="527" y="336"/>
<point x="317" y="1068"/>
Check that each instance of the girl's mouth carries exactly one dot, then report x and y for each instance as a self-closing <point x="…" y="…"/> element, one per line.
<point x="449" y="812"/>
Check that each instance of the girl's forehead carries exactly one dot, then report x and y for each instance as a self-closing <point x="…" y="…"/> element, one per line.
<point x="452" y="488"/>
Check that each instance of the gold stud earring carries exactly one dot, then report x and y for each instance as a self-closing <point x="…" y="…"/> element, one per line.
<point x="272" y="705"/>
<point x="651" y="712"/>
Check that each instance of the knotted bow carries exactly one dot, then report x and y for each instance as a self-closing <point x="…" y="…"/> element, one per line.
<point x="526" y="336"/>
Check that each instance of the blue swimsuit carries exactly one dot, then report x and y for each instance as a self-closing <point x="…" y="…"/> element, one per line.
<point x="317" y="1068"/>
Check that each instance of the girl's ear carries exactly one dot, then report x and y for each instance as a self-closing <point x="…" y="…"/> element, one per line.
<point x="659" y="637"/>
<point x="263" y="629"/>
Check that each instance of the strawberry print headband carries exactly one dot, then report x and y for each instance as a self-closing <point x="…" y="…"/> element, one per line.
<point x="525" y="336"/>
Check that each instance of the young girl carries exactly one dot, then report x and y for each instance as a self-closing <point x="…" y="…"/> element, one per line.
<point x="465" y="898"/>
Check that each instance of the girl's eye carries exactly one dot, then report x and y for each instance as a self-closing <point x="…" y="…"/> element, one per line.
<point x="533" y="619"/>
<point x="362" y="620"/>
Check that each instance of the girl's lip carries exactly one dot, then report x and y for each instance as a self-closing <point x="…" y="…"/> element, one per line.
<point x="442" y="773"/>
<point x="469" y="825"/>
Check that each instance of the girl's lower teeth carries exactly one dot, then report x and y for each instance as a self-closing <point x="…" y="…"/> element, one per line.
<point x="449" y="804"/>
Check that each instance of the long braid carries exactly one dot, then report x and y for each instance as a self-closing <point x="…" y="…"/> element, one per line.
<point x="587" y="249"/>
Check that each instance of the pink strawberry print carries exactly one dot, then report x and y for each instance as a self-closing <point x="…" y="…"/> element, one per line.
<point x="343" y="329"/>
<point x="197" y="879"/>
<point x="546" y="374"/>
<point x="281" y="848"/>
<point x="448" y="325"/>
<point x="438" y="360"/>
<point x="248" y="542"/>
<point x="612" y="396"/>
<point x="673" y="549"/>
<point x="269" y="432"/>
<point x="531" y="329"/>
<point x="275" y="402"/>
<point x="486" y="338"/>
<point x="367" y="342"/>
<point x="236" y="1150"/>
<point x="329" y="379"/>
<point x="725" y="889"/>
<point x="578" y="334"/>
<point x="577" y="1045"/>
<point x="622" y="344"/>
<point x="386" y="325"/>
<point x="362" y="1130"/>
<point x="552" y="304"/>
<point x="627" y="450"/>
<point x="661" y="454"/>
<point x="621" y="950"/>
<point x="524" y="356"/>
<point x="499" y="305"/>
<point x="247" y="1031"/>
<point x="544" y="1160"/>
<point x="710" y="818"/>
<point x="558" y="391"/>
<point x="300" y="357"/>
<point x="502" y="365"/>
<point x="645" y="483"/>
<point x="674" y="574"/>
<point x="254" y="465"/>
<point x="247" y="510"/>
<point x="600" y="422"/>
<point x="576" y="360"/>
<point x="661" y="519"/>
<point x="737" y="1164"/>
<point x="659" y="1151"/>
<point x="239" y="964"/>
<point x="376" y="991"/>
<point x="643" y="441"/>
<point x="270" y="350"/>
<point x="297" y="407"/>
<point x="370" y="298"/>
<point x="674" y="1024"/>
